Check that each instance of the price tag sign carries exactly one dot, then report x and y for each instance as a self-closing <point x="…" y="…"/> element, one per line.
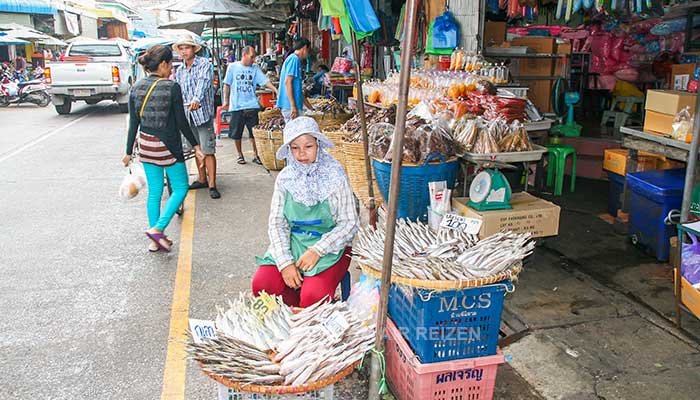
<point x="335" y="327"/>
<point x="263" y="305"/>
<point x="202" y="329"/>
<point x="471" y="226"/>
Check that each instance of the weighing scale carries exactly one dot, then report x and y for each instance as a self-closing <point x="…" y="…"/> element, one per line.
<point x="490" y="189"/>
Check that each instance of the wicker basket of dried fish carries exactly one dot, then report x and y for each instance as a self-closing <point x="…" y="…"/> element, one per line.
<point x="443" y="260"/>
<point x="268" y="114"/>
<point x="263" y="347"/>
<point x="268" y="141"/>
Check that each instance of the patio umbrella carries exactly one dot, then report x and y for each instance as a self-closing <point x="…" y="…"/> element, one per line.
<point x="52" y="41"/>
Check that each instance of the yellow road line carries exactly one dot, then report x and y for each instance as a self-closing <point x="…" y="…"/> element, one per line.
<point x="175" y="359"/>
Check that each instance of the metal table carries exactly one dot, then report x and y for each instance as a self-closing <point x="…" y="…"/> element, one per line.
<point x="342" y="87"/>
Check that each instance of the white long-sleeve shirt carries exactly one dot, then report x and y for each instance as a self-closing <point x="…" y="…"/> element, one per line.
<point x="342" y="205"/>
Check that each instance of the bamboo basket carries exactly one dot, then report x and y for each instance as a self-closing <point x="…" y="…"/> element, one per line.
<point x="357" y="173"/>
<point x="329" y="122"/>
<point x="338" y="151"/>
<point x="511" y="274"/>
<point x="268" y="142"/>
<point x="282" y="390"/>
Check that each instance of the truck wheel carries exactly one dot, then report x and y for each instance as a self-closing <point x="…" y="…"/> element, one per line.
<point x="123" y="108"/>
<point x="64" y="109"/>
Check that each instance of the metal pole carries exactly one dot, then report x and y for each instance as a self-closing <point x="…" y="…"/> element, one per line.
<point x="692" y="163"/>
<point x="397" y="155"/>
<point x="363" y="123"/>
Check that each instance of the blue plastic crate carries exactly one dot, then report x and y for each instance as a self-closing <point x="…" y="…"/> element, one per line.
<point x="653" y="194"/>
<point x="414" y="196"/>
<point x="617" y="186"/>
<point x="449" y="325"/>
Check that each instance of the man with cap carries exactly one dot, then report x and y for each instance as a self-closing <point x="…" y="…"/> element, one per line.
<point x="195" y="76"/>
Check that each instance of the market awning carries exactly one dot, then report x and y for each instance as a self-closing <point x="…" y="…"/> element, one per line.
<point x="103" y="13"/>
<point x="6" y="40"/>
<point x="43" y="7"/>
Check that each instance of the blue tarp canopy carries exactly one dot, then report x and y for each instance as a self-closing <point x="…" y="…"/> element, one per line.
<point x="27" y="7"/>
<point x="6" y="40"/>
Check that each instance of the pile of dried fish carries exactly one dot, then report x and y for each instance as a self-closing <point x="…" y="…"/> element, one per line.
<point x="373" y="116"/>
<point x="240" y="322"/>
<point x="421" y="253"/>
<point x="328" y="106"/>
<point x="311" y="353"/>
<point x="236" y="360"/>
<point x="488" y="137"/>
<point x="274" y="122"/>
<point x="283" y="348"/>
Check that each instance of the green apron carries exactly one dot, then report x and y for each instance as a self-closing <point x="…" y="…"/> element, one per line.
<point x="307" y="225"/>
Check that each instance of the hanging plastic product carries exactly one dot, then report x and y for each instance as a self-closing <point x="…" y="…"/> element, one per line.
<point x="445" y="32"/>
<point x="578" y="5"/>
<point x="587" y="4"/>
<point x="362" y="15"/>
<point x="493" y="6"/>
<point x="561" y="6"/>
<point x="333" y="8"/>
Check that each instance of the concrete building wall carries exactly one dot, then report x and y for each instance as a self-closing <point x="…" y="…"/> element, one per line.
<point x="22" y="19"/>
<point x="466" y="12"/>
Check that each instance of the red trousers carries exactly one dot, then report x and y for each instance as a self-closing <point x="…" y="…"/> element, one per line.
<point x="269" y="279"/>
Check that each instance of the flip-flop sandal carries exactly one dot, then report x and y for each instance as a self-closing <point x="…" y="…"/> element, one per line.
<point x="157" y="237"/>
<point x="153" y="247"/>
<point x="256" y="160"/>
<point x="241" y="160"/>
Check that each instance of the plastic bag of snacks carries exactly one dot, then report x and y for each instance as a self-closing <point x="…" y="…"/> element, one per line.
<point x="434" y="138"/>
<point x="683" y="126"/>
<point x="380" y="137"/>
<point x="457" y="60"/>
<point x="132" y="183"/>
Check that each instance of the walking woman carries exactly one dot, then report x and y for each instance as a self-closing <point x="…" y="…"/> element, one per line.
<point x="312" y="222"/>
<point x="157" y="114"/>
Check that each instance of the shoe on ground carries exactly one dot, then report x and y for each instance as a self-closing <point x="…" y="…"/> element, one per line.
<point x="199" y="185"/>
<point x="256" y="160"/>
<point x="214" y="193"/>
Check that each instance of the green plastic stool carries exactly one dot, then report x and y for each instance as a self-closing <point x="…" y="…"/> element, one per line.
<point x="557" y="165"/>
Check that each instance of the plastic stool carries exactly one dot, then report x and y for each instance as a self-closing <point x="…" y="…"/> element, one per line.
<point x="557" y="165"/>
<point x="345" y="287"/>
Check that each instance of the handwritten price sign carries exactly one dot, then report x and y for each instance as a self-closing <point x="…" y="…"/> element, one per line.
<point x="470" y="225"/>
<point x="202" y="329"/>
<point x="263" y="305"/>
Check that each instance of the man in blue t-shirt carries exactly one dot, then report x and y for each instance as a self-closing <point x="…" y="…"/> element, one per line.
<point x="291" y="99"/>
<point x="242" y="78"/>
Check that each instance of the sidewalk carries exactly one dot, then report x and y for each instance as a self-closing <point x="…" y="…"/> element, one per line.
<point x="594" y="305"/>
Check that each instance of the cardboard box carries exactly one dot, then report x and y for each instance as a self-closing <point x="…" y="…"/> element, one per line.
<point x="529" y="214"/>
<point x="681" y="74"/>
<point x="667" y="163"/>
<point x="538" y="44"/>
<point x="615" y="160"/>
<point x="540" y="92"/>
<point x="656" y="122"/>
<point x="494" y="33"/>
<point x="690" y="296"/>
<point x="669" y="102"/>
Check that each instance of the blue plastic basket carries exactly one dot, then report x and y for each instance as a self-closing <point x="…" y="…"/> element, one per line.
<point x="414" y="197"/>
<point x="449" y="325"/>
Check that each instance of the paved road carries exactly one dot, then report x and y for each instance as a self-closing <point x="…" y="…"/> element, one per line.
<point x="86" y="309"/>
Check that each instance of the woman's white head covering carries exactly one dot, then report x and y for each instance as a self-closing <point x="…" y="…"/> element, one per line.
<point x="302" y="126"/>
<point x="313" y="183"/>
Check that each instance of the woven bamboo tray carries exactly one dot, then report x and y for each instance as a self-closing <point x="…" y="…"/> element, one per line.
<point x="357" y="173"/>
<point x="280" y="390"/>
<point x="268" y="142"/>
<point x="446" y="285"/>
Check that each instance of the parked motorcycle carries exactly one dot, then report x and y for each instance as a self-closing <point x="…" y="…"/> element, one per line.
<point x="15" y="92"/>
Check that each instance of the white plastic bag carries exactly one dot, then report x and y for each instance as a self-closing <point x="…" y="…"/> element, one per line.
<point x="134" y="180"/>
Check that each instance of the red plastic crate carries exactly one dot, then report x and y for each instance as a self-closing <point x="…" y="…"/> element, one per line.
<point x="467" y="379"/>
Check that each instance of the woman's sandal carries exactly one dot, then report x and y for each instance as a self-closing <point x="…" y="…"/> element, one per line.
<point x="241" y="160"/>
<point x="161" y="240"/>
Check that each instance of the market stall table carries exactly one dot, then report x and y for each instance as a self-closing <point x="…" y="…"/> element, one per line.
<point x="339" y="87"/>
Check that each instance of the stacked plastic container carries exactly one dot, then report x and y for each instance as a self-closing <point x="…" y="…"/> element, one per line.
<point x="443" y="345"/>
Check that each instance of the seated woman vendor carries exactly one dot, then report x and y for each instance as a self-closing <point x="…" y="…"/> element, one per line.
<point x="312" y="220"/>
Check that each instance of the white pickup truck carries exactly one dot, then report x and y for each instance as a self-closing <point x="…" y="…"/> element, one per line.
<point x="91" y="71"/>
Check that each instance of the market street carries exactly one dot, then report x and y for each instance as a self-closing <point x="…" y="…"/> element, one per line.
<point x="86" y="308"/>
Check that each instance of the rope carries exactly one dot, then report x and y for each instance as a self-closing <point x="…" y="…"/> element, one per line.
<point x="383" y="389"/>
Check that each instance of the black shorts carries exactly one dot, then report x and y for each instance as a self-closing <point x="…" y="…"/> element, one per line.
<point x="240" y="120"/>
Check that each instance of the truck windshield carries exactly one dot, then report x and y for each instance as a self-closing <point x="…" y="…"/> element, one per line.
<point x="96" y="50"/>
